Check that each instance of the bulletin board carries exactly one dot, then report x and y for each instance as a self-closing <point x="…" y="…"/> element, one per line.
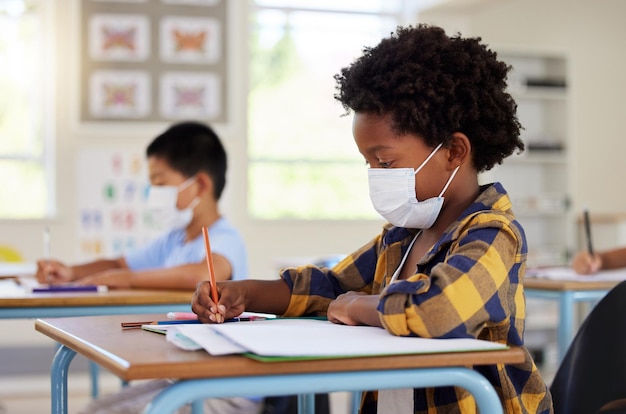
<point x="153" y="60"/>
<point x="112" y="187"/>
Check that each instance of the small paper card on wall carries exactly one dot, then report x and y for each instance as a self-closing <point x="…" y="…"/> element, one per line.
<point x="187" y="95"/>
<point x="190" y="40"/>
<point x="119" y="94"/>
<point x="119" y="37"/>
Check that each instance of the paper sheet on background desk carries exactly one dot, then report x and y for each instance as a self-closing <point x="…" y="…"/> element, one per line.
<point x="567" y="273"/>
<point x="10" y="289"/>
<point x="17" y="269"/>
<point x="315" y="338"/>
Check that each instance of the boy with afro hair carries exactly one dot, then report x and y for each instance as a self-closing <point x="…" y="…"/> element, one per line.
<point x="431" y="111"/>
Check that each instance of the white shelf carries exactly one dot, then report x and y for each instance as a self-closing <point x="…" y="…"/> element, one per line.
<point x="539" y="157"/>
<point x="539" y="93"/>
<point x="538" y="180"/>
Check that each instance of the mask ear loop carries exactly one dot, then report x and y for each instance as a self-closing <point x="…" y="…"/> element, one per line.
<point x="449" y="180"/>
<point x="182" y="186"/>
<point x="428" y="158"/>
<point x="194" y="203"/>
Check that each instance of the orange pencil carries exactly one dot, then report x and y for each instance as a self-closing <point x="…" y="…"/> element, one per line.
<point x="209" y="262"/>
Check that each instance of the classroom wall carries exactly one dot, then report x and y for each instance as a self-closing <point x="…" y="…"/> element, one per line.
<point x="590" y="32"/>
<point x="268" y="242"/>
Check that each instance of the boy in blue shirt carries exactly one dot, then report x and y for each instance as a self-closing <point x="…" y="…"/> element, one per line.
<point x="187" y="166"/>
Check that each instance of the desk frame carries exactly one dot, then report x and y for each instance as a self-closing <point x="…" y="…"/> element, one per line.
<point x="182" y="392"/>
<point x="204" y="376"/>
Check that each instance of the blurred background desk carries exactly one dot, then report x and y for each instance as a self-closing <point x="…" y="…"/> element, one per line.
<point x="18" y="303"/>
<point x="114" y="302"/>
<point x="567" y="293"/>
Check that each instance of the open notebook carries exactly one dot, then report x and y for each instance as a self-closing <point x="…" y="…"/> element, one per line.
<point x="309" y="338"/>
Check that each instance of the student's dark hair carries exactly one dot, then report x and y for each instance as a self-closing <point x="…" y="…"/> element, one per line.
<point x="191" y="147"/>
<point x="433" y="85"/>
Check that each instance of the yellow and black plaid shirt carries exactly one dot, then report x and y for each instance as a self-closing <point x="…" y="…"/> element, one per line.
<point x="469" y="285"/>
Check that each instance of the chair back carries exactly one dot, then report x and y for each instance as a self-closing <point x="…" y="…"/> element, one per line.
<point x="593" y="371"/>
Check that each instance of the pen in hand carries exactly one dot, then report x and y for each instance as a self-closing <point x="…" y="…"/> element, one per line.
<point x="587" y="224"/>
<point x="46" y="251"/>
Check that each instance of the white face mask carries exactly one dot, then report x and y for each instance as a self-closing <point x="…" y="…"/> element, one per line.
<point x="392" y="191"/>
<point x="161" y="203"/>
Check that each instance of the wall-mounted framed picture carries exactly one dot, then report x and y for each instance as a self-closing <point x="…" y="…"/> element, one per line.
<point x="153" y="61"/>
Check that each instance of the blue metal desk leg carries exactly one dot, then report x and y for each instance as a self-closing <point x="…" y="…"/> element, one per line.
<point x="197" y="407"/>
<point x="58" y="379"/>
<point x="566" y="324"/>
<point x="94" y="371"/>
<point x="181" y="392"/>
<point x="356" y="402"/>
<point x="306" y="403"/>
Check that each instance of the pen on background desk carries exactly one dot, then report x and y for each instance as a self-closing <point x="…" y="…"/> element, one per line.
<point x="69" y="288"/>
<point x="209" y="262"/>
<point x="587" y="224"/>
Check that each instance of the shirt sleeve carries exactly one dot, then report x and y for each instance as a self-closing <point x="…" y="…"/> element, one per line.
<point x="470" y="287"/>
<point x="149" y="256"/>
<point x="313" y="287"/>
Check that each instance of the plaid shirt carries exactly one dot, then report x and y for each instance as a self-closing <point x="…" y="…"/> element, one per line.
<point x="467" y="286"/>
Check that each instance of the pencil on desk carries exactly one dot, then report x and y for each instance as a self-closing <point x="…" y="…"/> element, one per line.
<point x="129" y="325"/>
<point x="139" y="324"/>
<point x="209" y="262"/>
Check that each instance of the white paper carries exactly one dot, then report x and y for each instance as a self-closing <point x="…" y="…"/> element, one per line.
<point x="181" y="341"/>
<point x="209" y="339"/>
<point x="316" y="338"/>
<point x="567" y="273"/>
<point x="10" y="289"/>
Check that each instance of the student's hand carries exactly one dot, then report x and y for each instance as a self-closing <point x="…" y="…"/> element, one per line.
<point x="344" y="309"/>
<point x="585" y="263"/>
<point x="116" y="278"/>
<point x="52" y="271"/>
<point x="231" y="301"/>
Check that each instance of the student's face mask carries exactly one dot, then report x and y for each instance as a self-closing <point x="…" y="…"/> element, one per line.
<point x="162" y="201"/>
<point x="392" y="191"/>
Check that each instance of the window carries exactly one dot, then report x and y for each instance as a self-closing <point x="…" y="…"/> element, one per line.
<point x="25" y="110"/>
<point x="303" y="162"/>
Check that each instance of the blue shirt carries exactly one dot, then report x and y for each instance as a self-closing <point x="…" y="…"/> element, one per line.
<point x="170" y="249"/>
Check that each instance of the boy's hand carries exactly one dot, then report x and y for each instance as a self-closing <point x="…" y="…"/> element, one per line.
<point x="231" y="301"/>
<point x="341" y="309"/>
<point x="585" y="263"/>
<point x="52" y="271"/>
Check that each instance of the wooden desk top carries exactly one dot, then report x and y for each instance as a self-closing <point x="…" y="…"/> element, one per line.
<point x="114" y="297"/>
<point x="562" y="285"/>
<point x="138" y="354"/>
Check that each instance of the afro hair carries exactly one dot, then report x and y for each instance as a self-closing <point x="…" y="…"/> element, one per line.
<point x="433" y="85"/>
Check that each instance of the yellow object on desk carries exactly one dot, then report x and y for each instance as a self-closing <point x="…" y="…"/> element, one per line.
<point x="10" y="254"/>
